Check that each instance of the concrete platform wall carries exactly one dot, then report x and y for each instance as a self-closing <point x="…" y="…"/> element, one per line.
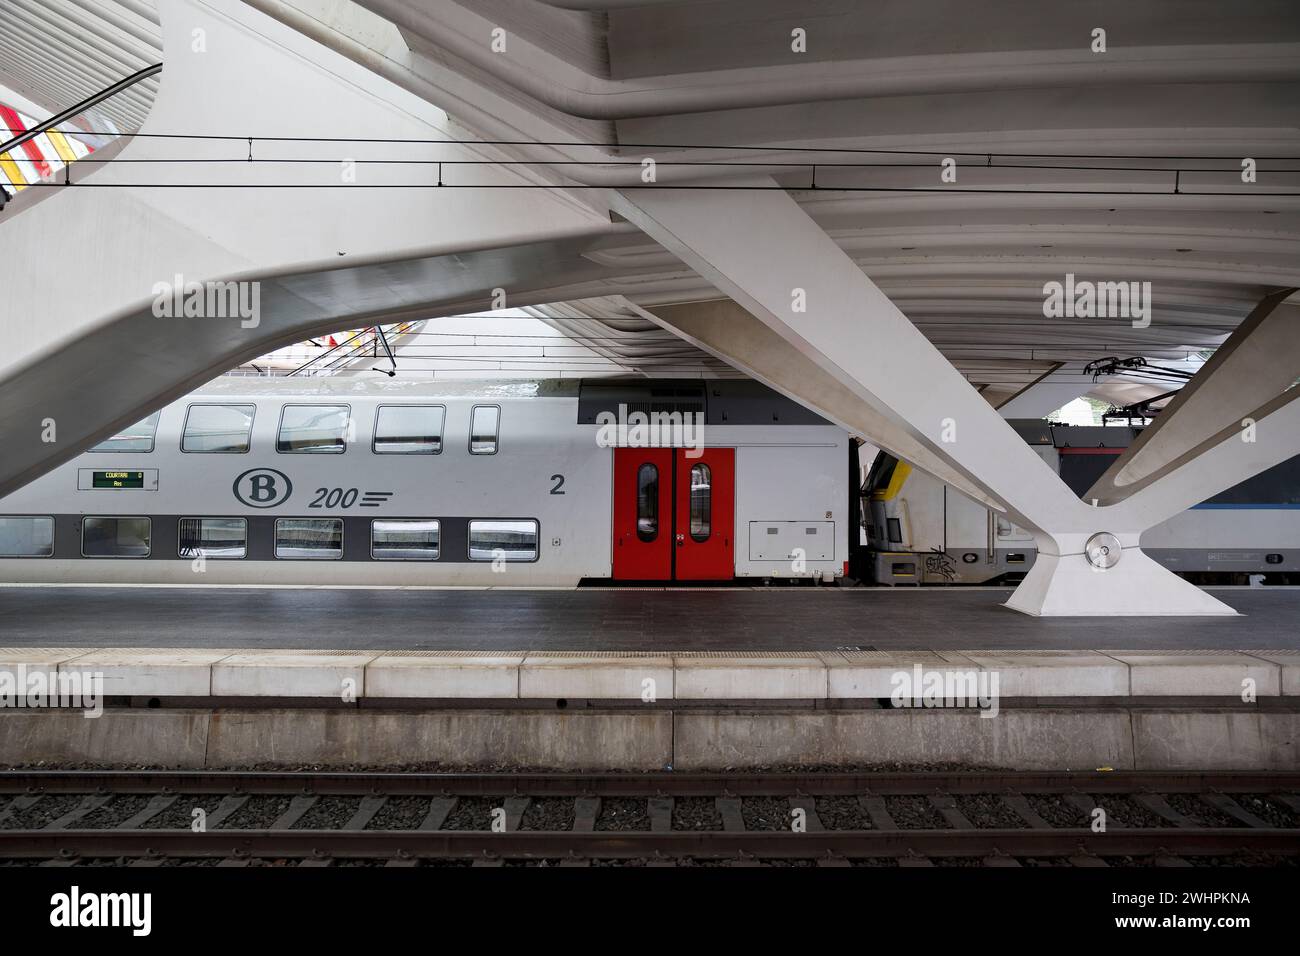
<point x="654" y="739"/>
<point x="487" y="675"/>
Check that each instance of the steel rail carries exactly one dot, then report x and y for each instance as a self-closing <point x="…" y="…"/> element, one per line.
<point x="637" y="784"/>
<point x="417" y="844"/>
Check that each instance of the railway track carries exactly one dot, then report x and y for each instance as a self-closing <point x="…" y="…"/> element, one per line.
<point x="805" y="818"/>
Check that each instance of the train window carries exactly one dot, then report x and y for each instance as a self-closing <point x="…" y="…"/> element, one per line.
<point x="23" y="537"/>
<point x="138" y="438"/>
<point x="647" y="502"/>
<point x="317" y="539"/>
<point x="882" y="470"/>
<point x="895" y="530"/>
<point x="217" y="429"/>
<point x="409" y="429"/>
<point x="115" y="537"/>
<point x="414" y="539"/>
<point x="701" y="501"/>
<point x="484" y="425"/>
<point x="490" y="539"/>
<point x="313" y="429"/>
<point x="212" y="538"/>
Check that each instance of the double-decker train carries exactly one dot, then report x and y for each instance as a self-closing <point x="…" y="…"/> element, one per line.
<point x="336" y="481"/>
<point x="555" y="483"/>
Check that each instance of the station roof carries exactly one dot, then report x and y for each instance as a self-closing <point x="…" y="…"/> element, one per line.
<point x="59" y="52"/>
<point x="1120" y="163"/>
<point x="1117" y="165"/>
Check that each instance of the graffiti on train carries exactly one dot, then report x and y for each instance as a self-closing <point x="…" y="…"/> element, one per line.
<point x="939" y="564"/>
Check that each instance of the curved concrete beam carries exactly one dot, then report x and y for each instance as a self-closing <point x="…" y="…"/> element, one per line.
<point x="775" y="262"/>
<point x="771" y="258"/>
<point x="319" y="259"/>
<point x="135" y="363"/>
<point x="543" y="134"/>
<point x="1222" y="460"/>
<point x="553" y="81"/>
<point x="1259" y="361"/>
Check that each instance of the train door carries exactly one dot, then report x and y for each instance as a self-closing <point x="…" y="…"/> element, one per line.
<point x="674" y="516"/>
<point x="705" y="515"/>
<point x="643" y="514"/>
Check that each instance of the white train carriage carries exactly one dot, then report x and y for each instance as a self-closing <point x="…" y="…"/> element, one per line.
<point x="383" y="482"/>
<point x="921" y="531"/>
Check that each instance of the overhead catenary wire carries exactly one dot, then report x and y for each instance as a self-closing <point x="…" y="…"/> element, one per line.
<point x="998" y="191"/>
<point x="642" y="339"/>
<point x="705" y="164"/>
<point x="984" y="160"/>
<point x="981" y="155"/>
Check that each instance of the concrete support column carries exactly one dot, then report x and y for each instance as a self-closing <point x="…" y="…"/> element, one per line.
<point x="761" y="249"/>
<point x="1060" y="583"/>
<point x="1065" y="581"/>
<point x="724" y="329"/>
<point x="820" y="311"/>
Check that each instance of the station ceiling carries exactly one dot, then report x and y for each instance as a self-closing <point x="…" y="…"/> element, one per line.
<point x="1122" y="165"/>
<point x="57" y="53"/>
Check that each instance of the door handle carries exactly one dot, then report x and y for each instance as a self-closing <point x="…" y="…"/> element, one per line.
<point x="681" y="540"/>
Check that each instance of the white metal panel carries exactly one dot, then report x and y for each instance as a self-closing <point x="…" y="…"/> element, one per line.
<point x="790" y="541"/>
<point x="789" y="473"/>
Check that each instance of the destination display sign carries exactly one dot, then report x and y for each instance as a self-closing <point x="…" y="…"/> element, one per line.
<point x="143" y="479"/>
<point x="117" y="479"/>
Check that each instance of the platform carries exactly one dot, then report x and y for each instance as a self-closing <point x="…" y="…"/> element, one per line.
<point x="633" y="711"/>
<point x="607" y="619"/>
<point x="201" y="676"/>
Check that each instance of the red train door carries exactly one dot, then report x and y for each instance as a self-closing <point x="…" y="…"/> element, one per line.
<point x="674" y="516"/>
<point x="643" y="514"/>
<point x="705" y="512"/>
